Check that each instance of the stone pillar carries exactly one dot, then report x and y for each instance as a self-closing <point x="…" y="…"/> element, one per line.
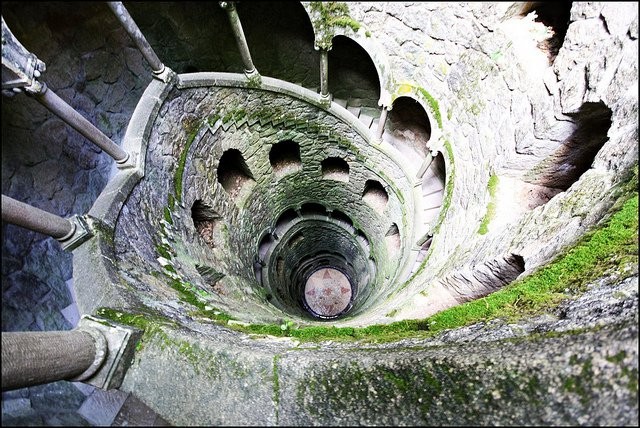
<point x="69" y="232"/>
<point x="20" y="72"/>
<point x="33" y="358"/>
<point x="382" y="122"/>
<point x="249" y="69"/>
<point x="32" y="218"/>
<point x="67" y="113"/>
<point x="160" y="72"/>
<point x="324" y="74"/>
<point x="426" y="164"/>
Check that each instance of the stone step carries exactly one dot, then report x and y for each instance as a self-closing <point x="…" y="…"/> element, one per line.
<point x="432" y="192"/>
<point x="370" y="111"/>
<point x="433" y="201"/>
<point x="354" y="110"/>
<point x="340" y="102"/>
<point x="366" y="119"/>
<point x="429" y="213"/>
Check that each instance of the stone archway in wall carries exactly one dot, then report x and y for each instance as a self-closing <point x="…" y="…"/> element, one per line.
<point x="189" y="36"/>
<point x="353" y="75"/>
<point x="408" y="128"/>
<point x="281" y="41"/>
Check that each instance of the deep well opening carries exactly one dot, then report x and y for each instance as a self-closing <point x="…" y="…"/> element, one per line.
<point x="577" y="153"/>
<point x="317" y="267"/>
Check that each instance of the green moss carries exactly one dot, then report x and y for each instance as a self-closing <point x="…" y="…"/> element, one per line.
<point x="167" y="215"/>
<point x="433" y="104"/>
<point x="491" y="207"/>
<point x="330" y="15"/>
<point x="163" y="251"/>
<point x="177" y="180"/>
<point x="171" y="201"/>
<point x="234" y="115"/>
<point x="617" y="358"/>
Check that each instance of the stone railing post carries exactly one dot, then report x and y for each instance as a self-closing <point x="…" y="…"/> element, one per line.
<point x="382" y="122"/>
<point x="160" y="71"/>
<point x="96" y="352"/>
<point x="20" y="72"/>
<point x="426" y="164"/>
<point x="324" y="74"/>
<point x="249" y="69"/>
<point x="70" y="233"/>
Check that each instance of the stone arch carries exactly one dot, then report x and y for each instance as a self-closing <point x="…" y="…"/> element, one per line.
<point x="375" y="195"/>
<point x="392" y="238"/>
<point x="555" y="16"/>
<point x="205" y="220"/>
<point x="285" y="219"/>
<point x="576" y="154"/>
<point x="342" y="217"/>
<point x="284" y="157"/>
<point x="203" y="45"/>
<point x="265" y="244"/>
<point x="335" y="168"/>
<point x="233" y="172"/>
<point x="313" y="208"/>
<point x="281" y="40"/>
<point x="353" y="75"/>
<point x="408" y="127"/>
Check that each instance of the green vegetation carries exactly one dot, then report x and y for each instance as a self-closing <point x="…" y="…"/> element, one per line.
<point x="491" y="207"/>
<point x="433" y="104"/>
<point x="331" y="14"/>
<point x="182" y="162"/>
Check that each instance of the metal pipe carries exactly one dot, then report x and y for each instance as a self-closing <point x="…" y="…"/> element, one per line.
<point x="138" y="38"/>
<point x="236" y="26"/>
<point x="32" y="218"/>
<point x="324" y="73"/>
<point x="34" y="358"/>
<point x="67" y="113"/>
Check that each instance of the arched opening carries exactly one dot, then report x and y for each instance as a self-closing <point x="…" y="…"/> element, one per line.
<point x="281" y="41"/>
<point x="264" y="245"/>
<point x="433" y="182"/>
<point x="576" y="154"/>
<point x="233" y="172"/>
<point x="334" y="168"/>
<point x="375" y="195"/>
<point x="408" y="128"/>
<point x="342" y="217"/>
<point x="205" y="220"/>
<point x="554" y="15"/>
<point x="188" y="36"/>
<point x="285" y="220"/>
<point x="352" y="74"/>
<point x="312" y="208"/>
<point x="285" y="157"/>
<point x="392" y="238"/>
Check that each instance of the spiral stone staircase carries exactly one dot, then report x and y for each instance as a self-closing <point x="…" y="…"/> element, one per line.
<point x="296" y="192"/>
